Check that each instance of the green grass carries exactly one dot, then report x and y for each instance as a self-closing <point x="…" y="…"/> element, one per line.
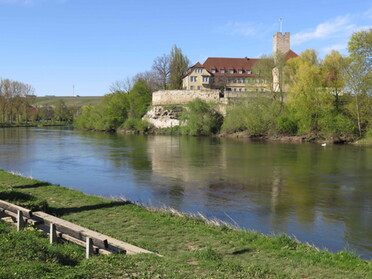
<point x="69" y="101"/>
<point x="191" y="247"/>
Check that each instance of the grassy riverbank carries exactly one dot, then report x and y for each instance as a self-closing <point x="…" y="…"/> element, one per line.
<point x="191" y="247"/>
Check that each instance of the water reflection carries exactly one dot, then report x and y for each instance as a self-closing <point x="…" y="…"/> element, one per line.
<point x="320" y="195"/>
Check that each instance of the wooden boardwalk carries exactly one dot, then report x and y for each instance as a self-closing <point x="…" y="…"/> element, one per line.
<point x="57" y="228"/>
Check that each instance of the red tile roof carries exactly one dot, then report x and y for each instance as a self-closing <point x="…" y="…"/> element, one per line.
<point x="236" y="64"/>
<point x="197" y="65"/>
<point x="228" y="64"/>
<point x="290" y="54"/>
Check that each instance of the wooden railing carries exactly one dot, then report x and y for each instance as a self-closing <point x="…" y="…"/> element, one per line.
<point x="94" y="242"/>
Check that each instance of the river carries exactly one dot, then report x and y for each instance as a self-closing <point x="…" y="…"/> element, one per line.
<point x="320" y="195"/>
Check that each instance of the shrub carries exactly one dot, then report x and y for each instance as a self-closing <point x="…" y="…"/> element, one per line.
<point x="138" y="125"/>
<point x="256" y="115"/>
<point x="286" y="125"/>
<point x="337" y="125"/>
<point x="200" y="119"/>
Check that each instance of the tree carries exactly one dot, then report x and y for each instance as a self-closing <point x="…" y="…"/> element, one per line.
<point x="179" y="63"/>
<point x="306" y="96"/>
<point x="139" y="99"/>
<point x="358" y="75"/>
<point x="360" y="45"/>
<point x="124" y="85"/>
<point x="61" y="112"/>
<point x="332" y="66"/>
<point x="14" y="100"/>
<point x="161" y="69"/>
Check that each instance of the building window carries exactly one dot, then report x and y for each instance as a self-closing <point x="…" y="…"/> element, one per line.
<point x="222" y="71"/>
<point x="213" y="71"/>
<point x="192" y="87"/>
<point x="193" y="78"/>
<point x="249" y="72"/>
<point x="198" y="70"/>
<point x="212" y="79"/>
<point x="199" y="87"/>
<point x="205" y="79"/>
<point x="231" y="71"/>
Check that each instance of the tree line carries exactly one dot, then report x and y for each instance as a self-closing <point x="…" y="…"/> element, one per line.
<point x="16" y="105"/>
<point x="15" y="99"/>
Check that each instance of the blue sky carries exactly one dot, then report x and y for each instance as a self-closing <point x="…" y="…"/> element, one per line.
<point x="55" y="44"/>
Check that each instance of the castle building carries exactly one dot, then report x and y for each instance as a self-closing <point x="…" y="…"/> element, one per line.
<point x="235" y="74"/>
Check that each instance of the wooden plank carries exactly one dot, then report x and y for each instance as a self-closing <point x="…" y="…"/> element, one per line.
<point x="88" y="248"/>
<point x="121" y="246"/>
<point x="20" y="222"/>
<point x="82" y="243"/>
<point x="74" y="230"/>
<point x="15" y="208"/>
<point x="129" y="248"/>
<point x="52" y="233"/>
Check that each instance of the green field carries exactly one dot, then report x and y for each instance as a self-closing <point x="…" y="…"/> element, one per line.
<point x="192" y="248"/>
<point x="69" y="101"/>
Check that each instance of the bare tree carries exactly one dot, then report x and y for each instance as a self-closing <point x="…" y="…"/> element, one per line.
<point x="124" y="85"/>
<point x="150" y="78"/>
<point x="161" y="69"/>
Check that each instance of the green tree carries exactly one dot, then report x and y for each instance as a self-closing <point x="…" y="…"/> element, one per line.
<point x="139" y="99"/>
<point x="61" y="112"/>
<point x="200" y="119"/>
<point x="178" y="65"/>
<point x="358" y="76"/>
<point x="307" y="98"/>
<point x="332" y="66"/>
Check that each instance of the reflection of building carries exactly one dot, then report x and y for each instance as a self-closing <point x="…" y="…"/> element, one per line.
<point x="234" y="74"/>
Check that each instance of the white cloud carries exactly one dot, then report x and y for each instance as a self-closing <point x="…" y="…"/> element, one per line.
<point x="339" y="47"/>
<point x="338" y="27"/>
<point x="369" y="13"/>
<point x="241" y="28"/>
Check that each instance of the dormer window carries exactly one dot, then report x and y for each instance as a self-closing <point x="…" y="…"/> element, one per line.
<point x="240" y="71"/>
<point x="249" y="72"/>
<point x="222" y="71"/>
<point x="231" y="71"/>
<point x="213" y="71"/>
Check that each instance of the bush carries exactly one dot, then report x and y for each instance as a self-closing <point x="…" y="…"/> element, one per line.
<point x="200" y="119"/>
<point x="137" y="125"/>
<point x="286" y="125"/>
<point x="337" y="125"/>
<point x="256" y="115"/>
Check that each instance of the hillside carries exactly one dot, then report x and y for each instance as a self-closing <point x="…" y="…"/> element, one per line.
<point x="69" y="100"/>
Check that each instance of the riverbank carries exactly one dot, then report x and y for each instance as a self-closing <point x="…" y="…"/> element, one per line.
<point x="192" y="248"/>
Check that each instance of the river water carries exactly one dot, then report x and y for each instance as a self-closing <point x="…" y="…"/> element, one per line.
<point x="320" y="195"/>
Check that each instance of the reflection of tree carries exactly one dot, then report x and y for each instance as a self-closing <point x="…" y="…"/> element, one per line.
<point x="302" y="184"/>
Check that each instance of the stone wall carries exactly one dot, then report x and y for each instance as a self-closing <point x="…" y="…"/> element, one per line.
<point x="181" y="97"/>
